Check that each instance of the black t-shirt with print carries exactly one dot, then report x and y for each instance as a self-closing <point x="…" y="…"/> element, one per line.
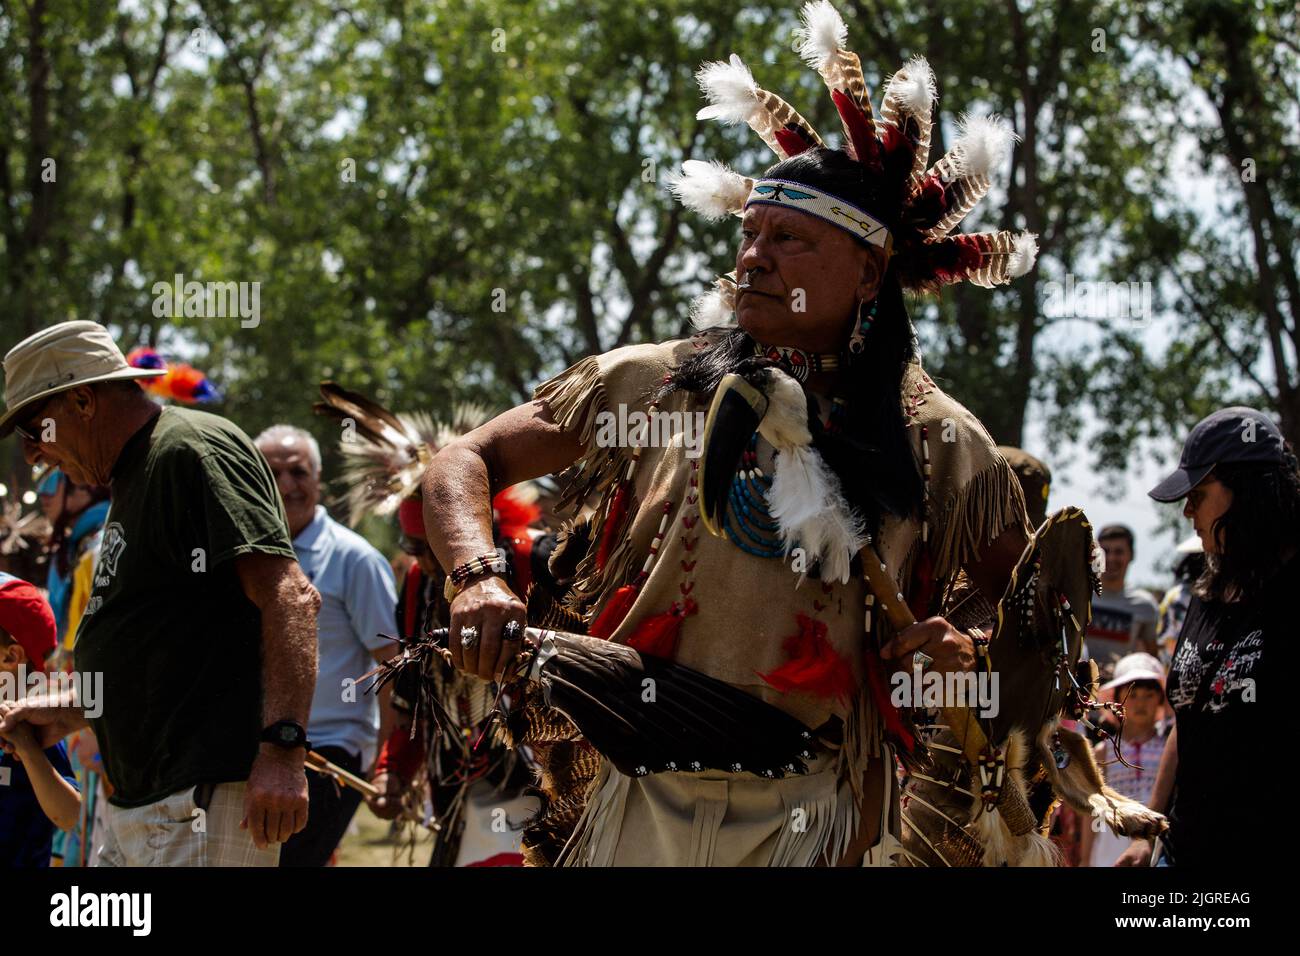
<point x="1226" y="745"/>
<point x="168" y="624"/>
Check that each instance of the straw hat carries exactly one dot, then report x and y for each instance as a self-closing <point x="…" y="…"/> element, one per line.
<point x="59" y="358"/>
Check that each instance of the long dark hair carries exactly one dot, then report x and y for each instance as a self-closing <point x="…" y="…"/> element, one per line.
<point x="1262" y="522"/>
<point x="869" y="452"/>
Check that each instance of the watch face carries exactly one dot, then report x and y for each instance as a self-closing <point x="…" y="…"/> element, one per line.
<point x="288" y="733"/>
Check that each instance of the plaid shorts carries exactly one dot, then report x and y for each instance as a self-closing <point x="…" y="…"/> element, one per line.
<point x="174" y="831"/>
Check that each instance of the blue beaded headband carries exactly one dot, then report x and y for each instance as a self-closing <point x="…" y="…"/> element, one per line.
<point x="823" y="205"/>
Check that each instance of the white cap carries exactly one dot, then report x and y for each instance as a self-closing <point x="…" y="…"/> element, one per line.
<point x="1135" y="667"/>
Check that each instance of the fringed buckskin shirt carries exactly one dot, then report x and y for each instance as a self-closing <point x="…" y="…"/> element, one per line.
<point x="747" y="613"/>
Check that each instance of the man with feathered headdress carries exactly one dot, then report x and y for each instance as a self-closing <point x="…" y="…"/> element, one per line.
<point x="441" y="715"/>
<point x="858" y="446"/>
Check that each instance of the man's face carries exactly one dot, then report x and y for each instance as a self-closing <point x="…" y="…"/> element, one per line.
<point x="297" y="479"/>
<point x="1118" y="556"/>
<point x="1206" y="504"/>
<point x="804" y="277"/>
<point x="61" y="429"/>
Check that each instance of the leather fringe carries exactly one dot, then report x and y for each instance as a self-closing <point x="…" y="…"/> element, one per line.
<point x="974" y="515"/>
<point x="576" y="399"/>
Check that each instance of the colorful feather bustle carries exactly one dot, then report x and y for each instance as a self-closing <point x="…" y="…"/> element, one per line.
<point x="182" y="383"/>
<point x="387" y="453"/>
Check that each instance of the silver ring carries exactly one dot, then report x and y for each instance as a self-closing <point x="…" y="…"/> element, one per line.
<point x="468" y="636"/>
<point x="512" y="631"/>
<point x="921" y="660"/>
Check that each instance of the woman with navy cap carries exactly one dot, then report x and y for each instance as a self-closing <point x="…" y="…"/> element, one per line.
<point x="1241" y="487"/>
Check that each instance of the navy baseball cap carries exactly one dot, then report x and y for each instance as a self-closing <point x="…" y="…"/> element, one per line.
<point x="1229" y="436"/>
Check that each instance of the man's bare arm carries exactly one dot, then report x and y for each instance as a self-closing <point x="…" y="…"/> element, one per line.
<point x="522" y="443"/>
<point x="276" y="801"/>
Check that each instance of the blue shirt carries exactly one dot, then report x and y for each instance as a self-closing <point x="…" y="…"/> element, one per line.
<point x="358" y="603"/>
<point x="26" y="833"/>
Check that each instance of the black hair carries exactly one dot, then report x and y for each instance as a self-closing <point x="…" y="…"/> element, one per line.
<point x="1259" y="526"/>
<point x="1112" y="531"/>
<point x="869" y="452"/>
<point x="1191" y="567"/>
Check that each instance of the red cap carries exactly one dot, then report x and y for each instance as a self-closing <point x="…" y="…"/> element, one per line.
<point x="410" y="517"/>
<point x="25" y="616"/>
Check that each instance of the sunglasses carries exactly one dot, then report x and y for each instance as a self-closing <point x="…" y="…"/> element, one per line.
<point x="29" y="430"/>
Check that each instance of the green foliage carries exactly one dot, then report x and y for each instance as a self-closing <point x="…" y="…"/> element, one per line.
<point x="446" y="202"/>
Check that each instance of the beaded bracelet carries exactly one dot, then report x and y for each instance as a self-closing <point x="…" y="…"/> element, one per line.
<point x="494" y="562"/>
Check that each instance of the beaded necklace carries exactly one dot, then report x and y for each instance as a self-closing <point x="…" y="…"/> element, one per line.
<point x="747" y="521"/>
<point x="797" y="363"/>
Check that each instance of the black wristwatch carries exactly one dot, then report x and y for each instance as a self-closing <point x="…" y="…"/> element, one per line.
<point x="286" y="734"/>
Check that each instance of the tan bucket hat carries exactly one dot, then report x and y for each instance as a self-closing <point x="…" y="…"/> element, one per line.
<point x="59" y="358"/>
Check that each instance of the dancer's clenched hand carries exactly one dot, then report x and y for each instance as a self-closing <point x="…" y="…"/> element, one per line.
<point x="950" y="650"/>
<point x="489" y="606"/>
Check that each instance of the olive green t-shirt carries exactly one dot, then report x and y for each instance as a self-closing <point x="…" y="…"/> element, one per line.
<point x="168" y="626"/>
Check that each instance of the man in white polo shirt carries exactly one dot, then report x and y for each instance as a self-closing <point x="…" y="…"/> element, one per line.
<point x="357" y="606"/>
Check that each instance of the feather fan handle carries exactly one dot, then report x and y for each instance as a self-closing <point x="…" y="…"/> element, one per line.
<point x="908" y="105"/>
<point x="806" y="498"/>
<point x="714" y="190"/>
<point x="734" y="97"/>
<point x="821" y="44"/>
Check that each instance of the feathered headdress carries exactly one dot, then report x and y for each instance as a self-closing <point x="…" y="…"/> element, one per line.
<point x="916" y="209"/>
<point x="387" y="453"/>
<point x="182" y="383"/>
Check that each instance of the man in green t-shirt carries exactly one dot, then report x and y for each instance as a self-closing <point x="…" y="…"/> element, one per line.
<point x="199" y="639"/>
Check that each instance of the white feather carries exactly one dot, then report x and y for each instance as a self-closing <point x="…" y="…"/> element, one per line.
<point x="730" y="89"/>
<point x="982" y="144"/>
<point x="806" y="498"/>
<point x="712" y="309"/>
<point x="807" y="501"/>
<point x="1024" y="256"/>
<point x="714" y="190"/>
<point x="913" y="87"/>
<point x="1001" y="846"/>
<point x="785" y="423"/>
<point x="823" y="33"/>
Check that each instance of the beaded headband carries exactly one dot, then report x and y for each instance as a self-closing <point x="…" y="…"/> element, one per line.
<point x="823" y="205"/>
